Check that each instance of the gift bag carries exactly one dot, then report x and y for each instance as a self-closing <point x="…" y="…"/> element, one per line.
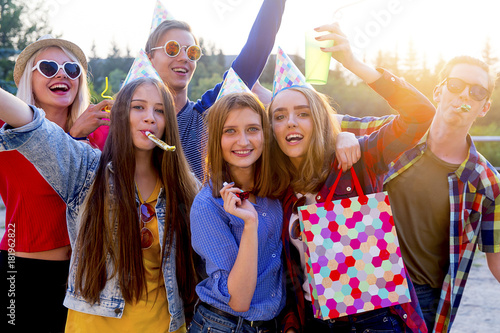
<point x="353" y="259"/>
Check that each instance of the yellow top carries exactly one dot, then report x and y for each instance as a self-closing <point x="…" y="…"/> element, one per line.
<point x="150" y="313"/>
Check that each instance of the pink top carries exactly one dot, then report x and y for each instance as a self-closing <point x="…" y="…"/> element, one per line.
<point x="98" y="137"/>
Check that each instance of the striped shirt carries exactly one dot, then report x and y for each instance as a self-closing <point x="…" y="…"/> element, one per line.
<point x="248" y="64"/>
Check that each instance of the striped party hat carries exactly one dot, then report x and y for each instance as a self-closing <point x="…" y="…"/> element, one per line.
<point x="286" y="74"/>
<point x="232" y="84"/>
<point x="160" y="14"/>
<point x="141" y="67"/>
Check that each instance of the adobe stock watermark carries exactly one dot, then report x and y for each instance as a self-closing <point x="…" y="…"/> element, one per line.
<point x="11" y="274"/>
<point x="380" y="20"/>
<point x="222" y="7"/>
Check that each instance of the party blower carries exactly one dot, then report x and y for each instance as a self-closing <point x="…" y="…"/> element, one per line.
<point x="159" y="143"/>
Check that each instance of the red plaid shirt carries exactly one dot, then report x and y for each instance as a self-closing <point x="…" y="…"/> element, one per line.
<point x="378" y="150"/>
<point x="475" y="213"/>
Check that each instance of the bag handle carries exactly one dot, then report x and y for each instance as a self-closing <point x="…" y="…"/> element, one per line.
<point x="355" y="180"/>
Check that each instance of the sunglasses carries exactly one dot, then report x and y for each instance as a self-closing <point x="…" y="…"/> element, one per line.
<point x="173" y="48"/>
<point x="50" y="68"/>
<point x="147" y="214"/>
<point x="456" y="86"/>
<point x="295" y="232"/>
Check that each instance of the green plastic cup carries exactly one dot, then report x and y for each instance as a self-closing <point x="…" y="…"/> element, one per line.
<point x="317" y="61"/>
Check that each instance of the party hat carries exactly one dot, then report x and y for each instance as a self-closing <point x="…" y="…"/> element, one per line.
<point x="232" y="84"/>
<point x="141" y="67"/>
<point x="286" y="74"/>
<point x="160" y="14"/>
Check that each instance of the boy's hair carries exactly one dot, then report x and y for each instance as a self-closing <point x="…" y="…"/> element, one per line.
<point x="165" y="26"/>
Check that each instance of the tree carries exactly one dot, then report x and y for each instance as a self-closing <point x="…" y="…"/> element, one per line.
<point x="115" y="50"/>
<point x="21" y="23"/>
<point x="488" y="57"/>
<point x="93" y="50"/>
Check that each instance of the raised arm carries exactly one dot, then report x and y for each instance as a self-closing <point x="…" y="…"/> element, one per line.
<point x="14" y="111"/>
<point x="62" y="161"/>
<point x="405" y="130"/>
<point x="415" y="110"/>
<point x="252" y="59"/>
<point x="342" y="52"/>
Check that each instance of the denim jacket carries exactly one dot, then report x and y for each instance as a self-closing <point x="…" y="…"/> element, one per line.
<point x="70" y="167"/>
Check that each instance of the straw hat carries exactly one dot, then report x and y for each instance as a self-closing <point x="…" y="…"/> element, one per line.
<point x="45" y="41"/>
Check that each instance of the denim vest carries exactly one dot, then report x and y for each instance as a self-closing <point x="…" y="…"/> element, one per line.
<point x="70" y="168"/>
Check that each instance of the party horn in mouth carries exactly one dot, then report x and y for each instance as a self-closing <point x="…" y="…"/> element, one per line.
<point x="159" y="143"/>
<point x="465" y="108"/>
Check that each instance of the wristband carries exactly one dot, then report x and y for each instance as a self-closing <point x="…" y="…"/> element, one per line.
<point x="77" y="138"/>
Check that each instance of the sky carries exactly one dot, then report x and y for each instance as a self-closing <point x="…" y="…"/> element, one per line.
<point x="437" y="28"/>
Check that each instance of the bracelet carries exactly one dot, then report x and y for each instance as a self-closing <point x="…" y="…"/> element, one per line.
<point x="78" y="138"/>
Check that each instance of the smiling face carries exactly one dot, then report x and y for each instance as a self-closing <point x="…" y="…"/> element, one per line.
<point x="175" y="72"/>
<point x="449" y="103"/>
<point x="146" y="114"/>
<point x="58" y="92"/>
<point x="242" y="139"/>
<point x="292" y="124"/>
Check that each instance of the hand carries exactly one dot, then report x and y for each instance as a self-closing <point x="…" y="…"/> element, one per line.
<point x="342" y="52"/>
<point x="347" y="150"/>
<point x="341" y="49"/>
<point x="237" y="207"/>
<point x="91" y="119"/>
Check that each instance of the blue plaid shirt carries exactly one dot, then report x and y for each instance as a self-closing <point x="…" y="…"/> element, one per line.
<point x="216" y="235"/>
<point x="248" y="64"/>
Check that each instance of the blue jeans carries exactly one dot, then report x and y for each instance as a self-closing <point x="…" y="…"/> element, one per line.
<point x="205" y="321"/>
<point x="376" y="321"/>
<point x="428" y="298"/>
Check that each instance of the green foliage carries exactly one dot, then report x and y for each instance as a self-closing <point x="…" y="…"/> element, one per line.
<point x="115" y="69"/>
<point x="209" y="70"/>
<point x="203" y="85"/>
<point x="21" y="23"/>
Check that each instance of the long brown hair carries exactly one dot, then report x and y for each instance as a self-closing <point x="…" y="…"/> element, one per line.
<point x="119" y="236"/>
<point x="216" y="168"/>
<point x="315" y="167"/>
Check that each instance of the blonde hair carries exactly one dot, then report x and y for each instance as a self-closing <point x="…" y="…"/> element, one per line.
<point x="216" y="169"/>
<point x="82" y="99"/>
<point x="315" y="167"/>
